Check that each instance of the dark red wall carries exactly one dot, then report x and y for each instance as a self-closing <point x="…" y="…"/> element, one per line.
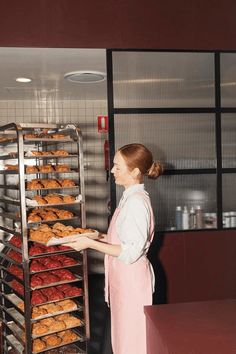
<point x="182" y="24"/>
<point x="197" y="265"/>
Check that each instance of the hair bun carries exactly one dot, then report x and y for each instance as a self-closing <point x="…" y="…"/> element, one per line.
<point x="155" y="170"/>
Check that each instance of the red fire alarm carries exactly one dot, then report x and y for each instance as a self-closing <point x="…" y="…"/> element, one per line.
<point x="102" y="124"/>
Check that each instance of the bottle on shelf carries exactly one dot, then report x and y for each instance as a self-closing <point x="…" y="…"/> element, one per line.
<point x="178" y="218"/>
<point x="199" y="217"/>
<point x="192" y="218"/>
<point x="185" y="218"/>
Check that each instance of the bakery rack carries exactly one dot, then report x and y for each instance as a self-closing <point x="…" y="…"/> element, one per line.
<point x="23" y="261"/>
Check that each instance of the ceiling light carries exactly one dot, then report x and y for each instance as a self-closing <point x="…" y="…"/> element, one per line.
<point x="23" y="79"/>
<point x="85" y="77"/>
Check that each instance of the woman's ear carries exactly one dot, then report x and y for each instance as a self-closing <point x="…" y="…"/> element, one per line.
<point x="136" y="173"/>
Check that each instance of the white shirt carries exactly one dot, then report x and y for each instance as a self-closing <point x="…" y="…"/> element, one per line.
<point x="133" y="224"/>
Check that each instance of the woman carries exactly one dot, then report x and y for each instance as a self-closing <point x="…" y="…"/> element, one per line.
<point x="129" y="279"/>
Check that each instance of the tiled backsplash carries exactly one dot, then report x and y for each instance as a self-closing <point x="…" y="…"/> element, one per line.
<point x="85" y="114"/>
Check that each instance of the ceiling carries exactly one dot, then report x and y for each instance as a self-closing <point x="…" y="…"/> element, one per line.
<point x="47" y="67"/>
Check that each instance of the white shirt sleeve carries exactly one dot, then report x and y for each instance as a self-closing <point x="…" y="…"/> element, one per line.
<point x="133" y="224"/>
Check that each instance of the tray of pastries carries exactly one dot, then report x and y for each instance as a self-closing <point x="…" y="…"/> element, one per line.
<point x="54" y="308"/>
<point x="46" y="136"/>
<point x="53" y="199"/>
<point x="53" y="183"/>
<point x="55" y="340"/>
<point x="59" y="234"/>
<point x="62" y="168"/>
<point x="49" y="294"/>
<point x="50" y="153"/>
<point x="46" y="278"/>
<point x="48" y="214"/>
<point x="34" y="250"/>
<point x="54" y="324"/>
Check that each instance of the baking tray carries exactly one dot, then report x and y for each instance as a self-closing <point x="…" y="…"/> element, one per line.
<point x="62" y="267"/>
<point x="16" y="300"/>
<point x="44" y="189"/>
<point x="78" y="278"/>
<point x="75" y="217"/>
<point x="41" y="157"/>
<point x="15" y="343"/>
<point x="53" y="332"/>
<point x="18" y="333"/>
<point x="63" y="240"/>
<point x="51" y="140"/>
<point x="79" y="339"/>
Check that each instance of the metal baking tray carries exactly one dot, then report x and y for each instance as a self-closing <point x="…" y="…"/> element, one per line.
<point x="41" y="157"/>
<point x="78" y="278"/>
<point x="15" y="315"/>
<point x="79" y="339"/>
<point x="18" y="333"/>
<point x="75" y="217"/>
<point x="44" y="189"/>
<point x="15" y="300"/>
<point x="51" y="140"/>
<point x="11" y="216"/>
<point x="53" y="332"/>
<point x="15" y="343"/>
<point x="62" y="267"/>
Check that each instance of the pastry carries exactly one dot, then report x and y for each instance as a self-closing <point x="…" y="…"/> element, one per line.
<point x="31" y="169"/>
<point x="58" y="136"/>
<point x="52" y="340"/>
<point x="39" y="329"/>
<point x="38" y="311"/>
<point x="53" y="199"/>
<point x="64" y="214"/>
<point x="62" y="168"/>
<point x="34" y="184"/>
<point x="38" y="298"/>
<point x="47" y="321"/>
<point x="51" y="183"/>
<point x="40" y="200"/>
<point x="38" y="345"/>
<point x="67" y="183"/>
<point x="60" y="153"/>
<point x="58" y="326"/>
<point x="52" y="308"/>
<point x="11" y="167"/>
<point x="36" y="153"/>
<point x="67" y="336"/>
<point x="46" y="168"/>
<point x="34" y="218"/>
<point x="68" y="305"/>
<point x="72" y="321"/>
<point x="68" y="198"/>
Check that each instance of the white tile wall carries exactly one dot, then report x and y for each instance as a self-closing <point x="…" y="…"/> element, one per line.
<point x="84" y="113"/>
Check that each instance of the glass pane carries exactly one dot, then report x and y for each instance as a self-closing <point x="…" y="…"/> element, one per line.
<point x="192" y="191"/>
<point x="159" y="79"/>
<point x="228" y="128"/>
<point x="228" y="79"/>
<point x="179" y="141"/>
<point x="229" y="200"/>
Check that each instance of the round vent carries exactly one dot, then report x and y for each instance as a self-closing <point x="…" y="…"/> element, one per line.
<point x="85" y="77"/>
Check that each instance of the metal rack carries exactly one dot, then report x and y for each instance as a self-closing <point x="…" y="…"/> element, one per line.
<point x="17" y="323"/>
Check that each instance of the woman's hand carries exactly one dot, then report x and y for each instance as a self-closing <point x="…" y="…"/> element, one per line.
<point x="82" y="243"/>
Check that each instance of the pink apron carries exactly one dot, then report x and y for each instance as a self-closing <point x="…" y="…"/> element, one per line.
<point x="128" y="288"/>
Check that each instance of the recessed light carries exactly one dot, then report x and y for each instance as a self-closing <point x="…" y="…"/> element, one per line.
<point x="85" y="77"/>
<point x="23" y="79"/>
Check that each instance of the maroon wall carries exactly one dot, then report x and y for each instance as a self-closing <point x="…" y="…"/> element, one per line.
<point x="199" y="265"/>
<point x="192" y="24"/>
